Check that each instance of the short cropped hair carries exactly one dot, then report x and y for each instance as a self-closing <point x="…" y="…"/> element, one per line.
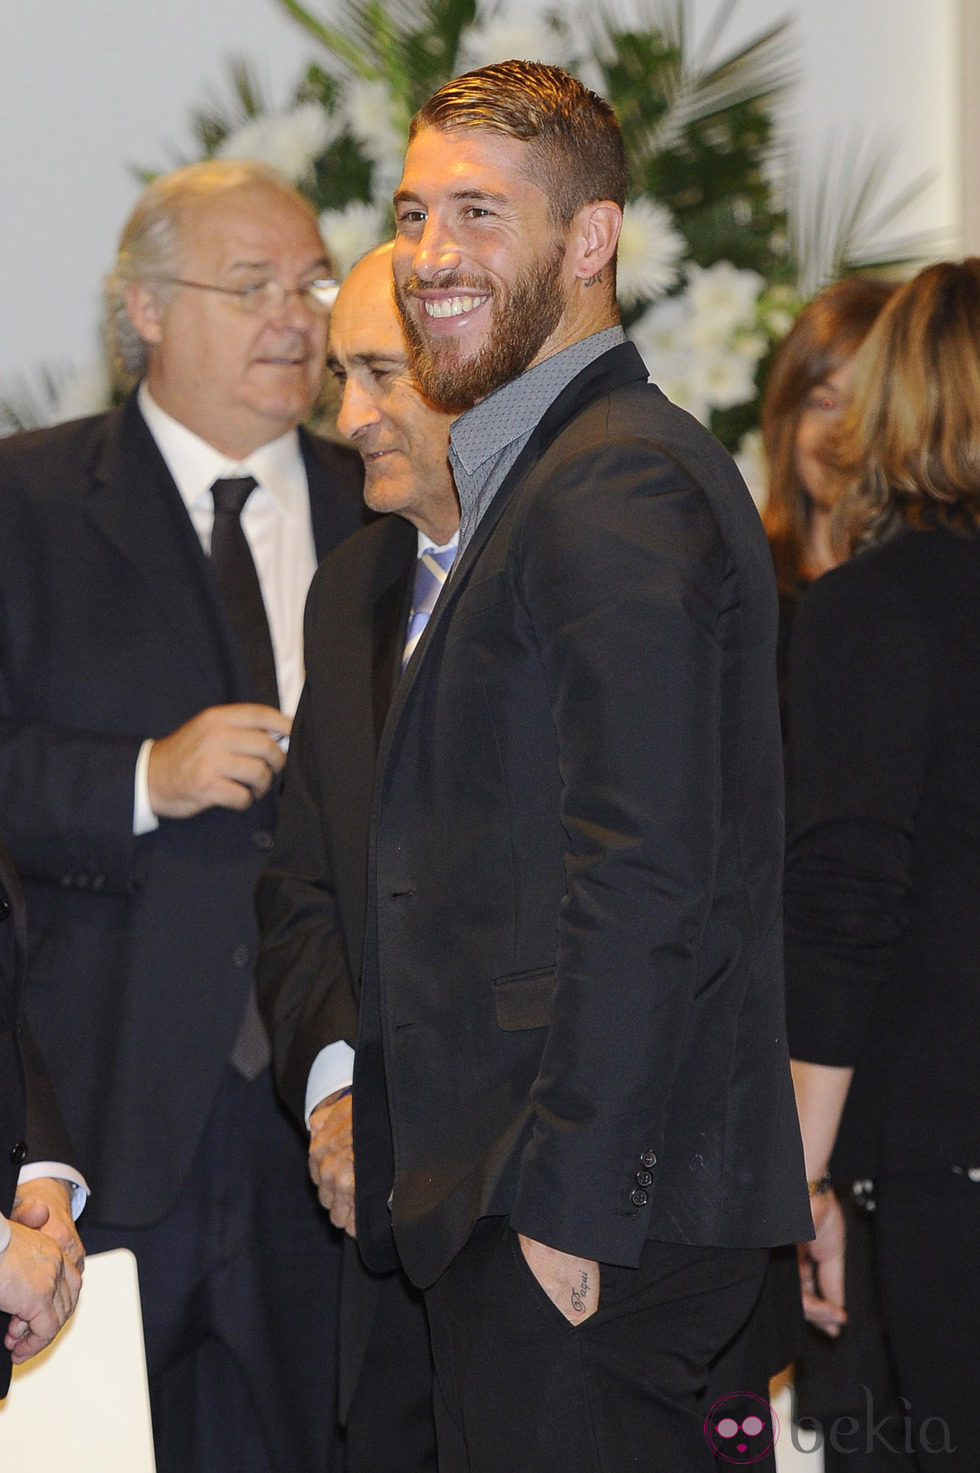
<point x="576" y="144"/>
<point x="150" y="242"/>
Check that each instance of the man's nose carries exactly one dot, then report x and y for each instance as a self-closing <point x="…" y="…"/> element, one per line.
<point x="437" y="250"/>
<point x="357" y="410"/>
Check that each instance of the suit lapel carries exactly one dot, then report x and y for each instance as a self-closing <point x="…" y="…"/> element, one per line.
<point x="388" y="628"/>
<point x="136" y="506"/>
<point x="619" y="366"/>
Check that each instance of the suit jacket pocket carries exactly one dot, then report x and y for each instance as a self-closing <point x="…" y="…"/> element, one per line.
<point x="523" y="1000"/>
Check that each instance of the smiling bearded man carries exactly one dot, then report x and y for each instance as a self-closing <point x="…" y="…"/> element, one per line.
<point x="521" y="321"/>
<point x="573" y="1115"/>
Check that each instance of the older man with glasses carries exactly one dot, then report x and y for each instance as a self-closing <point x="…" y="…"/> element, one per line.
<point x="155" y="562"/>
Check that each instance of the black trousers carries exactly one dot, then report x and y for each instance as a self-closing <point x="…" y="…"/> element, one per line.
<point x="520" y="1390"/>
<point x="239" y="1288"/>
<point x="928" y="1239"/>
<point x="386" y="1372"/>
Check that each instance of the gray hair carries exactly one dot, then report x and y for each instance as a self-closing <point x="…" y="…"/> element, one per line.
<point x="150" y="241"/>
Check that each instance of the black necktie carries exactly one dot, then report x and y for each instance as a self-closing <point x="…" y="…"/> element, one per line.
<point x="238" y="581"/>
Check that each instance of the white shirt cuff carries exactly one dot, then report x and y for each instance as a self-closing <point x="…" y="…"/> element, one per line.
<point x="74" y="1180"/>
<point x="144" y="819"/>
<point x="332" y="1069"/>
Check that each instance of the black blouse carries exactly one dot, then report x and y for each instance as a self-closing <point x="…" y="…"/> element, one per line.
<point x="883" y="852"/>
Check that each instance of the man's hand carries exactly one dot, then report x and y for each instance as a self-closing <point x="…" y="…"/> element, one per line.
<point x="332" y="1159"/>
<point x="822" y="1267"/>
<point x="224" y="757"/>
<point x="38" y="1287"/>
<point x="45" y="1203"/>
<point x="570" y="1283"/>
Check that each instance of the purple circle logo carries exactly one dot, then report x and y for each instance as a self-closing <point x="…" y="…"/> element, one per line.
<point x="741" y="1428"/>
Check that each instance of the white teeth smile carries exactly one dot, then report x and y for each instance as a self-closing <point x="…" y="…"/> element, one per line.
<point x="452" y="306"/>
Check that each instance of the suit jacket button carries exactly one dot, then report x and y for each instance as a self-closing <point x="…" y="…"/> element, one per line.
<point x="648" y="1159"/>
<point x="639" y="1197"/>
<point x="239" y="957"/>
<point x="644" y="1178"/>
<point x="262" y="839"/>
<point x="4" y="906"/>
<point x="18" y="1154"/>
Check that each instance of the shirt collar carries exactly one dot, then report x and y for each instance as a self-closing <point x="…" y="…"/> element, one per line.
<point x="513" y="410"/>
<point x="195" y="465"/>
<point x="426" y="543"/>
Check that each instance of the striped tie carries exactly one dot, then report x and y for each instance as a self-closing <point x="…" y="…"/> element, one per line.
<point x="431" y="572"/>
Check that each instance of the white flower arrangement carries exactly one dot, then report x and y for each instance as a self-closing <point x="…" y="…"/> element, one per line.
<point x="352" y="232"/>
<point x="291" y="142"/>
<point x="496" y="39"/>
<point x="704" y="345"/>
<point x="709" y="258"/>
<point x="650" y="251"/>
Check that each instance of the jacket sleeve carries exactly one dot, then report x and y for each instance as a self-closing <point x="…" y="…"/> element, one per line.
<point x="624" y="576"/>
<point x="861" y="704"/>
<point x="47" y="1137"/>
<point x="305" y="991"/>
<point x="67" y="802"/>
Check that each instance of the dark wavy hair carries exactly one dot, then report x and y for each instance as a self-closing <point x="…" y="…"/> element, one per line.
<point x="827" y="333"/>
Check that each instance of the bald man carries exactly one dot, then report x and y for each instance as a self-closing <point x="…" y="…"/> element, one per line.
<point x="361" y="626"/>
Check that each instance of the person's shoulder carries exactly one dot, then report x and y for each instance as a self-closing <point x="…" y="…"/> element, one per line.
<point x="386" y="546"/>
<point x="905" y="567"/>
<point x="917" y="589"/>
<point x="72" y="442"/>
<point x="44" y="473"/>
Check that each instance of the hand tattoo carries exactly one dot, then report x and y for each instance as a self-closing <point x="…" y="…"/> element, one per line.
<point x="580" y="1294"/>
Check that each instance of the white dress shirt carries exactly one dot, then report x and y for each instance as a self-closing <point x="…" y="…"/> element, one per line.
<point x="276" y="522"/>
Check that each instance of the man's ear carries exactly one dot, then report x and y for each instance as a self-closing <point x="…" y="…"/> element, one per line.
<point x="144" y="309"/>
<point x="596" y="236"/>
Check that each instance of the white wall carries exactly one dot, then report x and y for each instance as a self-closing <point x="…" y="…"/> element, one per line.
<point x="89" y="87"/>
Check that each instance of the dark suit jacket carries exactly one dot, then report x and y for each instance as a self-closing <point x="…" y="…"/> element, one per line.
<point x="142" y="949"/>
<point x="30" y="1126"/>
<point x="572" y="1007"/>
<point x="311" y="897"/>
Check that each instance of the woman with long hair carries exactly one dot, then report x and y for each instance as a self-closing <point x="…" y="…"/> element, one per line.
<point x="883" y="856"/>
<point x="805" y="394"/>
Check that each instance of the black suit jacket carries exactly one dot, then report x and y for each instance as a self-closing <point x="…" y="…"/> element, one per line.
<point x="30" y="1126"/>
<point x="142" y="949"/>
<point x="311" y="897"/>
<point x="572" y="1006"/>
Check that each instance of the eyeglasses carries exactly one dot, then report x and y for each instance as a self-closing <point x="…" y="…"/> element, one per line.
<point x="265" y="298"/>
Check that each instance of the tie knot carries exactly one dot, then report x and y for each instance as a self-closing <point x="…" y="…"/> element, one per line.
<point x="231" y="493"/>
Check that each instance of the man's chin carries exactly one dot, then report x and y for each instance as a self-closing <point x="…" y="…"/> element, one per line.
<point x="385" y="494"/>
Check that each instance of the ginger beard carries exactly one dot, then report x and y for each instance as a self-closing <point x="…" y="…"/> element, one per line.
<point x="520" y="325"/>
